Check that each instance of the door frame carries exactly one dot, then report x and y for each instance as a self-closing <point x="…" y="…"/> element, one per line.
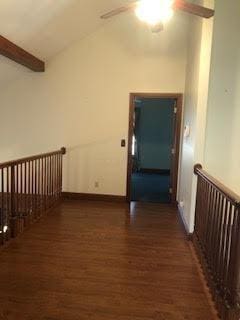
<point x="177" y="139"/>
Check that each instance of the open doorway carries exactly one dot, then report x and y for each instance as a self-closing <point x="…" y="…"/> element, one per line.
<point x="153" y="147"/>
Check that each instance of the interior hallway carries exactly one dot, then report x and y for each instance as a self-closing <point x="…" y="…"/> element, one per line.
<point x="94" y="260"/>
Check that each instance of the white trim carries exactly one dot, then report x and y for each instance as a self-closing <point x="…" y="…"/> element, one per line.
<point x="180" y="210"/>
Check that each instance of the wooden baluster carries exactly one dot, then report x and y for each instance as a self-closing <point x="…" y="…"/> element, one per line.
<point x="2" y="207"/>
<point x="48" y="182"/>
<point x="50" y="179"/>
<point x="208" y="187"/>
<point x="209" y="222"/>
<point x="234" y="260"/>
<point x="206" y="213"/>
<point x="29" y="192"/>
<point x="45" y="183"/>
<point x="54" y="179"/>
<point x="201" y="209"/>
<point x="20" y="198"/>
<point x="223" y="245"/>
<point x="13" y="218"/>
<point x="218" y="239"/>
<point x="42" y="183"/>
<point x="225" y="252"/>
<point x="228" y="253"/>
<point x="35" y="189"/>
<point x="37" y="186"/>
<point x="61" y="175"/>
<point x="198" y="210"/>
<point x="59" y="169"/>
<point x="42" y="187"/>
<point x="25" y="195"/>
<point x="17" y="198"/>
<point x="214" y="234"/>
<point x="59" y="178"/>
<point x="8" y="208"/>
<point x="211" y="230"/>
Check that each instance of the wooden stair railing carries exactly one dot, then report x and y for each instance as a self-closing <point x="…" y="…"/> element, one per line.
<point x="217" y="242"/>
<point x="28" y="188"/>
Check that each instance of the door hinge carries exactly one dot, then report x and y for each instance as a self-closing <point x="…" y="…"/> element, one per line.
<point x="175" y="106"/>
<point x="170" y="190"/>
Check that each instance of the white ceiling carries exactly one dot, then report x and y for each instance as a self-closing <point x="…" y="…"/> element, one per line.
<point x="46" y="27"/>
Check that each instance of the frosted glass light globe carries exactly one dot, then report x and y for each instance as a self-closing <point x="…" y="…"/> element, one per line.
<point x="154" y="11"/>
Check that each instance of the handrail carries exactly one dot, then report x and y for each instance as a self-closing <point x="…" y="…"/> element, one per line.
<point x="32" y="158"/>
<point x="217" y="241"/>
<point x="28" y="187"/>
<point x="229" y="194"/>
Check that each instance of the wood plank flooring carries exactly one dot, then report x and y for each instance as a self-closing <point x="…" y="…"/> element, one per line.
<point x="95" y="260"/>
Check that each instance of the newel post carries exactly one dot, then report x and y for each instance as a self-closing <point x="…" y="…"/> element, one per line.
<point x="197" y="167"/>
<point x="63" y="150"/>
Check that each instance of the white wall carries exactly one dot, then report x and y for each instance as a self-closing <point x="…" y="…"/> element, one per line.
<point x="222" y="152"/>
<point x="195" y="110"/>
<point x="82" y="102"/>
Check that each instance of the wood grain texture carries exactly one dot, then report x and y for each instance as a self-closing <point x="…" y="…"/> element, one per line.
<point x="217" y="242"/>
<point x="193" y="9"/>
<point x="120" y="10"/>
<point x="93" y="197"/>
<point x="28" y="187"/>
<point x="19" y="55"/>
<point x="97" y="260"/>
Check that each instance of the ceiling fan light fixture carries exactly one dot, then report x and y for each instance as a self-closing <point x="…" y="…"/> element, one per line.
<point x="154" y="11"/>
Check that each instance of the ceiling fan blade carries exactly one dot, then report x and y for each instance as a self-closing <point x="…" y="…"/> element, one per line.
<point x="193" y="9"/>
<point x="119" y="10"/>
<point x="157" y="28"/>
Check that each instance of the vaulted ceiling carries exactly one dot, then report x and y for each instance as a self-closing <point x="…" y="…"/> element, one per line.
<point x="46" y="27"/>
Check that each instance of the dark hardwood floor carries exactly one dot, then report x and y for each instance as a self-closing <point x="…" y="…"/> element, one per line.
<point x="95" y="260"/>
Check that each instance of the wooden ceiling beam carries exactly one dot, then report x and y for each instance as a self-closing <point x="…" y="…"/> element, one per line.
<point x="193" y="9"/>
<point x="10" y="50"/>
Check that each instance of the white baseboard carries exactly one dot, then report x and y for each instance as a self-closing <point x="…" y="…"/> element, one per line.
<point x="181" y="214"/>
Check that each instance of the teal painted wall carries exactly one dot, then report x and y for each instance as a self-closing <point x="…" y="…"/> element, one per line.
<point x="154" y="132"/>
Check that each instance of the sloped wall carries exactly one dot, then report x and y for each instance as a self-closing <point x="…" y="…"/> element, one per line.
<point x="82" y="102"/>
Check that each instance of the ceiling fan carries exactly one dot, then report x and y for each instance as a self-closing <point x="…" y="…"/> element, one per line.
<point x="156" y="12"/>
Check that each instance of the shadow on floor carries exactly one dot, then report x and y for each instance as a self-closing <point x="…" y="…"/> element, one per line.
<point x="148" y="187"/>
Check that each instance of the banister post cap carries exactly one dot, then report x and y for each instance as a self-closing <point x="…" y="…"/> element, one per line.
<point x="197" y="166"/>
<point x="63" y="150"/>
